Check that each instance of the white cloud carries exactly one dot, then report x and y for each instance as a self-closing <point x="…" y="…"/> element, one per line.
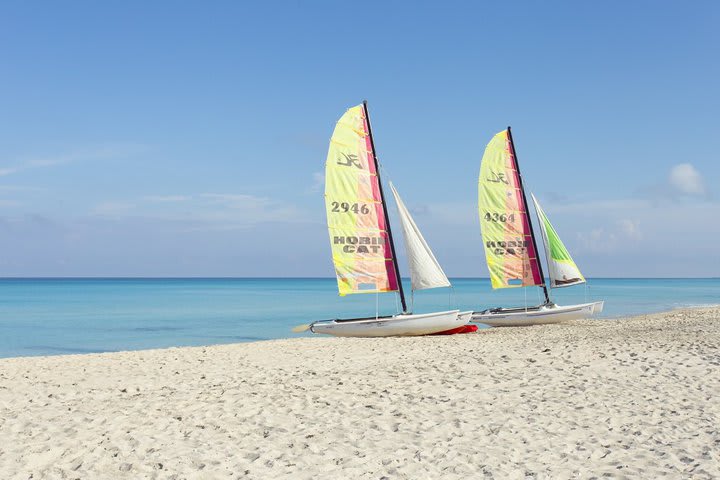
<point x="686" y="180"/>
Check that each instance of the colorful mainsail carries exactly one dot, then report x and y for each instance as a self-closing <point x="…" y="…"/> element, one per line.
<point x="563" y="271"/>
<point x="506" y="230"/>
<point x="425" y="271"/>
<point x="361" y="249"/>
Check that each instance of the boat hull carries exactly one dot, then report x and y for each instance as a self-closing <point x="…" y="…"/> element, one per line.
<point x="458" y="330"/>
<point x="395" y="326"/>
<point x="465" y="327"/>
<point x="538" y="316"/>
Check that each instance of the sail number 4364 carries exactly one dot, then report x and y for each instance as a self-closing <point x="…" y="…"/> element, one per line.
<point x="499" y="217"/>
<point x="346" y="207"/>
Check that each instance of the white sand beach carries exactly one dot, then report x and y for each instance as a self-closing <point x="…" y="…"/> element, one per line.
<point x="628" y="398"/>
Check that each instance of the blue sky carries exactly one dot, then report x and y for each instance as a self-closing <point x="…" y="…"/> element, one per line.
<point x="188" y="138"/>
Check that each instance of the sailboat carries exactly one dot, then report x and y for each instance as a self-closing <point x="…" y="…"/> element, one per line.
<point x="511" y="250"/>
<point x="361" y="239"/>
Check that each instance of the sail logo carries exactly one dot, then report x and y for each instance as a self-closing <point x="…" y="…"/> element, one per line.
<point x="349" y="160"/>
<point x="512" y="247"/>
<point x="497" y="178"/>
<point x="353" y="244"/>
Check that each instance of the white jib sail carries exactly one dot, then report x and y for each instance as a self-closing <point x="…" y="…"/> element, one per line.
<point x="563" y="271"/>
<point x="425" y="271"/>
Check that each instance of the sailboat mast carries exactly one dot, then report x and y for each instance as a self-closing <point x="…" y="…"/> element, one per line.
<point x="532" y="231"/>
<point x="387" y="219"/>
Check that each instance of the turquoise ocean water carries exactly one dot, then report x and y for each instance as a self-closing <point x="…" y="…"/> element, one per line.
<point x="61" y="316"/>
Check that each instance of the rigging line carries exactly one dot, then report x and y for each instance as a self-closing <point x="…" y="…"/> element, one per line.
<point x="383" y="171"/>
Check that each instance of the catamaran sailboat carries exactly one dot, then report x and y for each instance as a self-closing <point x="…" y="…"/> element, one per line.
<point x="510" y="247"/>
<point x="362" y="244"/>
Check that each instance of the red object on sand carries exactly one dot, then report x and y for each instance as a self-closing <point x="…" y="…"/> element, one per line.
<point x="453" y="331"/>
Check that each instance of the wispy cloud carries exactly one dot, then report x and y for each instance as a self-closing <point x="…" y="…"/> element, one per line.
<point x="236" y="200"/>
<point x="555" y="197"/>
<point x="113" y="209"/>
<point x="205" y="211"/>
<point x="600" y="206"/>
<point x="314" y="141"/>
<point x="15" y="190"/>
<point x="450" y="213"/>
<point x="98" y="153"/>
<point x="18" y="188"/>
<point x="630" y="229"/>
<point x="242" y="210"/>
<point x="611" y="236"/>
<point x="318" y="181"/>
<point x="419" y="210"/>
<point x="166" y="198"/>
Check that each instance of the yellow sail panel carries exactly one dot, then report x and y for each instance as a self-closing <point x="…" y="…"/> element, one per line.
<point x="361" y="249"/>
<point x="507" y="238"/>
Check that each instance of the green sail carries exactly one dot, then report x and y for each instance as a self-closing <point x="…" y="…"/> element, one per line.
<point x="563" y="271"/>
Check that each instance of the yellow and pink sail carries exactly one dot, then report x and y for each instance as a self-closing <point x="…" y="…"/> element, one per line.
<point x="506" y="229"/>
<point x="361" y="248"/>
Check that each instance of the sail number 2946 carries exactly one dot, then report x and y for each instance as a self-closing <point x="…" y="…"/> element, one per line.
<point x="499" y="217"/>
<point x="345" y="207"/>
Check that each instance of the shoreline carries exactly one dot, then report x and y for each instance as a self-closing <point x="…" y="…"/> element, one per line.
<point x="629" y="397"/>
<point x="298" y="337"/>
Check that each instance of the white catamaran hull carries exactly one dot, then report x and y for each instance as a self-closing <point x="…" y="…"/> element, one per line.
<point x="518" y="317"/>
<point x="397" y="325"/>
